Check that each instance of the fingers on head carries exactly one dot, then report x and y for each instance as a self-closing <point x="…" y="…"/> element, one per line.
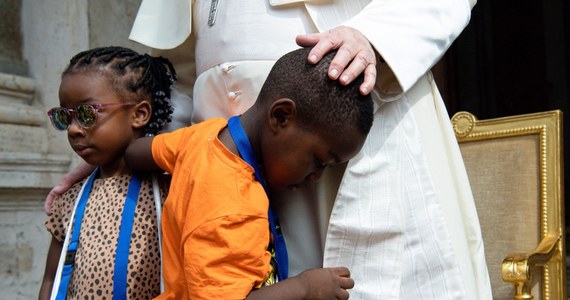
<point x="369" y="79"/>
<point x="354" y="65"/>
<point x="324" y="46"/>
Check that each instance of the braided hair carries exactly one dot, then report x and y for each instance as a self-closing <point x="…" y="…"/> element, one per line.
<point x="134" y="77"/>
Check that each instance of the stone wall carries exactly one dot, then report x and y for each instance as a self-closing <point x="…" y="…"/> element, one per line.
<point x="37" y="39"/>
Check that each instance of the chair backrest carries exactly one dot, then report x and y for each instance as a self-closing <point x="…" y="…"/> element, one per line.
<point x="515" y="169"/>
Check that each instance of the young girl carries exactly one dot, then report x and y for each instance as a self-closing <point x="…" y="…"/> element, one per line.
<point x="105" y="237"/>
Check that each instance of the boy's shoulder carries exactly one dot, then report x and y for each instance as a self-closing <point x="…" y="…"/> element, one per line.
<point x="206" y="127"/>
<point x="207" y="124"/>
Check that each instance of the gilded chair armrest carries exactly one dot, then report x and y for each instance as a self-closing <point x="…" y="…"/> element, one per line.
<point x="518" y="268"/>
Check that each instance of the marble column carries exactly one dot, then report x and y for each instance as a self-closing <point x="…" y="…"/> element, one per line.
<point x="28" y="165"/>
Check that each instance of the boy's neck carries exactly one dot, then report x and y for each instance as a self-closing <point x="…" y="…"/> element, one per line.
<point x="250" y="131"/>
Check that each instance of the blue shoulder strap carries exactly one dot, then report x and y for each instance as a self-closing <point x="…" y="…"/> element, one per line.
<point x="244" y="147"/>
<point x="123" y="246"/>
<point x="124" y="240"/>
<point x="72" y="247"/>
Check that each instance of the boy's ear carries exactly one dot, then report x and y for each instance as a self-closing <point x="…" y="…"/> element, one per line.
<point x="141" y="114"/>
<point x="281" y="113"/>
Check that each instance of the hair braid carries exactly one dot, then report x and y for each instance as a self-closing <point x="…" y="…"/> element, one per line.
<point x="134" y="77"/>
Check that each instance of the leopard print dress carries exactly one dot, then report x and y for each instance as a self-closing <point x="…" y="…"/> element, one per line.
<point x="92" y="276"/>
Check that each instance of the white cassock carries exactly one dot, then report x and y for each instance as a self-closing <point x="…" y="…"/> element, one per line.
<point x="403" y="220"/>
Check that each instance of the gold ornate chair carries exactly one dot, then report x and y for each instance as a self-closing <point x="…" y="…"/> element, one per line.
<point x="515" y="169"/>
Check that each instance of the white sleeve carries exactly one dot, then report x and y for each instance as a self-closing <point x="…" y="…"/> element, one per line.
<point x="412" y="35"/>
<point x="162" y="24"/>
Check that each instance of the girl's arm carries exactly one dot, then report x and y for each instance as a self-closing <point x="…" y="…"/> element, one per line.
<point x="326" y="283"/>
<point x="51" y="268"/>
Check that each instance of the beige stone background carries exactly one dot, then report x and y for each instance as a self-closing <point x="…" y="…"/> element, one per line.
<point x="37" y="39"/>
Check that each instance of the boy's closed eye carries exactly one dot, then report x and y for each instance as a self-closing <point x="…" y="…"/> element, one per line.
<point x="319" y="165"/>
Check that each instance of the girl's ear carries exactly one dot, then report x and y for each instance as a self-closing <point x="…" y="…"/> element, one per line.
<point x="141" y="114"/>
<point x="281" y="113"/>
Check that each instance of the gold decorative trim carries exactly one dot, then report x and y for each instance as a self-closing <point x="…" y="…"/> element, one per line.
<point x="550" y="253"/>
<point x="463" y="123"/>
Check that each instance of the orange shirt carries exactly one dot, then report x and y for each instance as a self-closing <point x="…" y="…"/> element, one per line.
<point x="214" y="222"/>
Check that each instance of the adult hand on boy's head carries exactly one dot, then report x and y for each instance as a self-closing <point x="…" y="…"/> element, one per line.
<point x="355" y="55"/>
<point x="327" y="283"/>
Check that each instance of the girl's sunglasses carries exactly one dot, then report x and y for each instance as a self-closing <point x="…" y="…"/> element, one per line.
<point x="85" y="114"/>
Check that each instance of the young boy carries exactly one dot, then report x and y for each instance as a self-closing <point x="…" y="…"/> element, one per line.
<point x="217" y="240"/>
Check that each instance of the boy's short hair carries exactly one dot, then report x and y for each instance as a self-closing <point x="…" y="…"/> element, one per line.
<point x="320" y="100"/>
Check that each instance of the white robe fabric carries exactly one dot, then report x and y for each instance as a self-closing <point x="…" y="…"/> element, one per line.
<point x="403" y="219"/>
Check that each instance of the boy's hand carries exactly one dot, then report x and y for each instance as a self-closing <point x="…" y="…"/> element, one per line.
<point x="327" y="283"/>
<point x="313" y="284"/>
